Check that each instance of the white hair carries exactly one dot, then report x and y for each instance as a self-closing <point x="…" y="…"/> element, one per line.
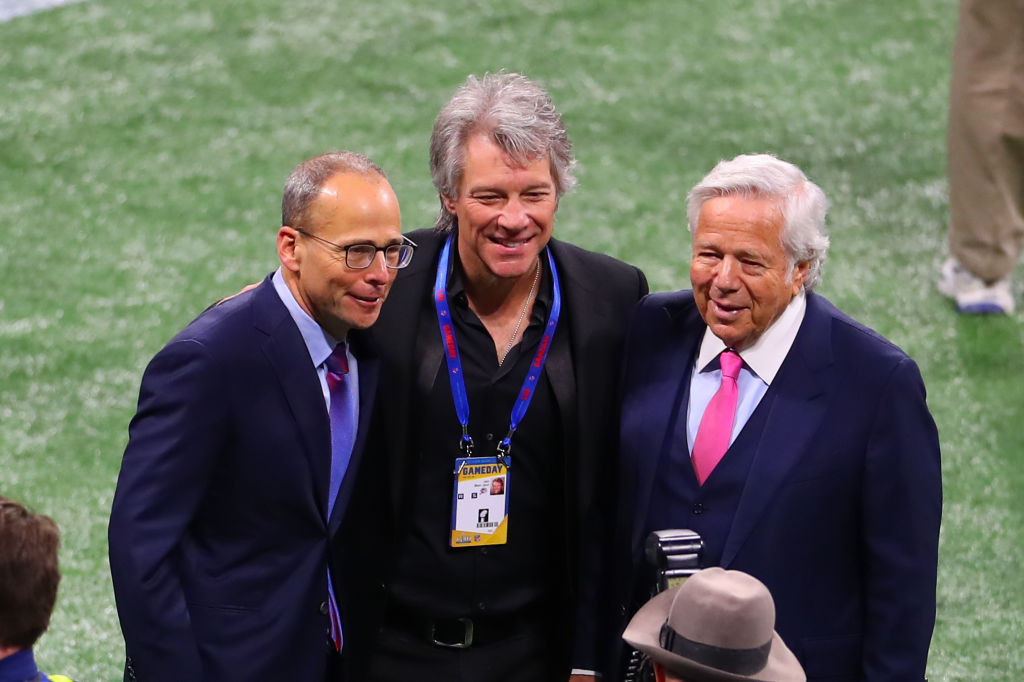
<point x="802" y="203"/>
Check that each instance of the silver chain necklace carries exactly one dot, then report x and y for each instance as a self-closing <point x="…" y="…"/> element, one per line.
<point x="522" y="314"/>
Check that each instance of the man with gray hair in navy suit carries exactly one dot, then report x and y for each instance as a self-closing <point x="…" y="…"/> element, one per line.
<point x="795" y="441"/>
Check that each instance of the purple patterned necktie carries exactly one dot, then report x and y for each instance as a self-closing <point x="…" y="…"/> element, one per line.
<point x="343" y="431"/>
<point x="342" y="421"/>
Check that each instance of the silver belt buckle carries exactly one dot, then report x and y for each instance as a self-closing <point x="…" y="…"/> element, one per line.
<point x="467" y="635"/>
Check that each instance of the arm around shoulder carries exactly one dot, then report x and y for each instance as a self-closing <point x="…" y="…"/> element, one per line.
<point x="643" y="289"/>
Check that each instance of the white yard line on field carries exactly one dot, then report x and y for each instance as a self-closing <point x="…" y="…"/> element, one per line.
<point x="16" y="8"/>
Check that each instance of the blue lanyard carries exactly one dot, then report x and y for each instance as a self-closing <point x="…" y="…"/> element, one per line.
<point x="454" y="360"/>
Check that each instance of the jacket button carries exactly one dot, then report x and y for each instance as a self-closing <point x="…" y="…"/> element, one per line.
<point x="323" y="608"/>
<point x="698" y="509"/>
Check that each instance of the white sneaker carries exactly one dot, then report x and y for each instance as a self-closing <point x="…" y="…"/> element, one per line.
<point x="972" y="295"/>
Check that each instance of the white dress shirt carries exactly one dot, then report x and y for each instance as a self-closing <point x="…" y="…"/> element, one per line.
<point x="761" y="362"/>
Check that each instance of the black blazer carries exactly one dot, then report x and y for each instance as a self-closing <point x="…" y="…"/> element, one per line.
<point x="218" y="533"/>
<point x="598" y="292"/>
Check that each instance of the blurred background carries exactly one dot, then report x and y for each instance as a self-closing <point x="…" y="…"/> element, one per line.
<point x="144" y="146"/>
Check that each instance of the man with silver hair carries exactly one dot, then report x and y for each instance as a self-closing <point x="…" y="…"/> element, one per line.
<point x="501" y="349"/>
<point x="794" y="440"/>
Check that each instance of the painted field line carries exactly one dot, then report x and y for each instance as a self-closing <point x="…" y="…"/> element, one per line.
<point x="16" y="8"/>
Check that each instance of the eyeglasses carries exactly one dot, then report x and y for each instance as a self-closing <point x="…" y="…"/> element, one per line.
<point x="360" y="256"/>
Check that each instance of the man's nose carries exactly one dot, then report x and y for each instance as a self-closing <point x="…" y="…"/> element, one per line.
<point x="513" y="214"/>
<point x="726" y="275"/>
<point x="377" y="272"/>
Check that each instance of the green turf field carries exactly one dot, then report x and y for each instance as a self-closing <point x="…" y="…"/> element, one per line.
<point x="144" y="144"/>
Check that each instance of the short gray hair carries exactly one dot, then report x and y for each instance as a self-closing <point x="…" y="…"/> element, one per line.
<point x="517" y="114"/>
<point x="308" y="178"/>
<point x="802" y="203"/>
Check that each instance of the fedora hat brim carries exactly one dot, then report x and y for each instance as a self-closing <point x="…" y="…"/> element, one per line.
<point x="643" y="634"/>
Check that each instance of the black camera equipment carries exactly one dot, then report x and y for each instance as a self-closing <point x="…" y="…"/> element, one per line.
<point x="672" y="556"/>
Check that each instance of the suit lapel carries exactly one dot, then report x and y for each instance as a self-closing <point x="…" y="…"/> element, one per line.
<point x="559" y="362"/>
<point x="287" y="354"/>
<point x="369" y="368"/>
<point x="571" y="390"/>
<point x="665" y="367"/>
<point x="560" y="375"/>
<point x="799" y="402"/>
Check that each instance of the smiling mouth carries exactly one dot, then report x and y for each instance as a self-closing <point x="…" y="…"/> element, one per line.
<point x="510" y="244"/>
<point x="727" y="311"/>
<point x="370" y="300"/>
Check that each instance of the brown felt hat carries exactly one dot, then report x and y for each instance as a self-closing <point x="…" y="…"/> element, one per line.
<point x="718" y="625"/>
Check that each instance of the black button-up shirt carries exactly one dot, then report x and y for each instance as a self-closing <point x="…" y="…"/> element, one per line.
<point x="447" y="582"/>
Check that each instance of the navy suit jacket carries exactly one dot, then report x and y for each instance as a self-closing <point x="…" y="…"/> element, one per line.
<point x="219" y="540"/>
<point x="839" y="512"/>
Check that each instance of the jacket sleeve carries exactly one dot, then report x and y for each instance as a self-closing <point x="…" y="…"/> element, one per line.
<point x="592" y="604"/>
<point x="901" y="510"/>
<point x="174" y="440"/>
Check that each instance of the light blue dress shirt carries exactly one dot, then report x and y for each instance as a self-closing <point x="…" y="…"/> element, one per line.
<point x="320" y="345"/>
<point x="761" y="362"/>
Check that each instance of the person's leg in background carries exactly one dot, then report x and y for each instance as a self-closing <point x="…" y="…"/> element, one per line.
<point x="985" y="146"/>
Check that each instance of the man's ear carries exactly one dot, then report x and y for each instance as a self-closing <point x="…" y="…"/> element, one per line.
<point x="287" y="248"/>
<point x="448" y="203"/>
<point x="800" y="271"/>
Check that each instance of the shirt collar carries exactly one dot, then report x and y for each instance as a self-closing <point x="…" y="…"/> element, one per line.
<point x="18" y="666"/>
<point x="319" y="343"/>
<point x="767" y="354"/>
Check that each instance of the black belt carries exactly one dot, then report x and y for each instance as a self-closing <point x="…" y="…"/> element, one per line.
<point x="462" y="633"/>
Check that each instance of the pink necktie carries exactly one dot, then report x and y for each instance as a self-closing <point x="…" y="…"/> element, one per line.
<point x="716" y="425"/>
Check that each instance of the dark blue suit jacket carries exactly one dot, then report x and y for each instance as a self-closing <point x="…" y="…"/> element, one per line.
<point x="219" y="541"/>
<point x="839" y="512"/>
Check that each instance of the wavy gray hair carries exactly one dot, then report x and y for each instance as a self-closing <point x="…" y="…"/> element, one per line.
<point x="308" y="178"/>
<point x="519" y="117"/>
<point x="802" y="203"/>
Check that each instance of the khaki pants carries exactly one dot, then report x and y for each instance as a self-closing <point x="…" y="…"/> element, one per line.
<point x="985" y="138"/>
